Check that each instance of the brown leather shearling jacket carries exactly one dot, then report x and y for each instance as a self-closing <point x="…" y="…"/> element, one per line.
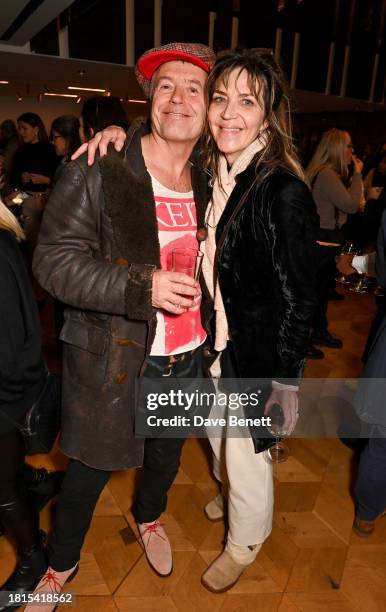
<point x="97" y="250"/>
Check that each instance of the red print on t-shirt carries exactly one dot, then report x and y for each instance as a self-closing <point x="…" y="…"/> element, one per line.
<point x="178" y="215"/>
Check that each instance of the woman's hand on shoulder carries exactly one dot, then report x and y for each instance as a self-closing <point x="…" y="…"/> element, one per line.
<point x="101" y="140"/>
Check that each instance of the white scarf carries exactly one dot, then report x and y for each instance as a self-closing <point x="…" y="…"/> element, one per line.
<point x="222" y="189"/>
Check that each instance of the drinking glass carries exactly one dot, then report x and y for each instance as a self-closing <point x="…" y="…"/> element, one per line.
<point x="278" y="452"/>
<point x="347" y="248"/>
<point x="188" y="261"/>
<point x="360" y="286"/>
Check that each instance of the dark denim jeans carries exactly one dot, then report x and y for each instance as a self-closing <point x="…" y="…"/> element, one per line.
<point x="370" y="488"/>
<point x="162" y="455"/>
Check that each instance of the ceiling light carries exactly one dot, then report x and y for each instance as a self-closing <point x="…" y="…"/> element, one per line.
<point x="79" y="99"/>
<point x="4" y="82"/>
<point x="60" y="95"/>
<point x="86" y="89"/>
<point x="138" y="101"/>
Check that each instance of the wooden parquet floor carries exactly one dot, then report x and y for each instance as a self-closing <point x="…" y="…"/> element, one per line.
<point x="312" y="561"/>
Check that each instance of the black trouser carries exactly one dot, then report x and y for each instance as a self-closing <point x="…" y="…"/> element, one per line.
<point x="81" y="488"/>
<point x="325" y="275"/>
<point x="83" y="485"/>
<point x="13" y="492"/>
<point x="12" y="453"/>
<point x="162" y="455"/>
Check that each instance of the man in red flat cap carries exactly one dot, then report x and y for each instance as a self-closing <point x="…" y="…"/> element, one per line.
<point x="105" y="251"/>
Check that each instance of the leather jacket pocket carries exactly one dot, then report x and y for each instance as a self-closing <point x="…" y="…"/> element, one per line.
<point x="85" y="352"/>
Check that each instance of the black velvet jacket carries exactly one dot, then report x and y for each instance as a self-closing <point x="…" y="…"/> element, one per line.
<point x="265" y="265"/>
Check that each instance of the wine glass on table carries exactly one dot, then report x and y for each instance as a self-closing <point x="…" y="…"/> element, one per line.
<point x="360" y="286"/>
<point x="348" y="248"/>
<point x="279" y="451"/>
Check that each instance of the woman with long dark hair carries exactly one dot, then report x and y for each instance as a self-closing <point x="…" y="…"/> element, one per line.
<point x="35" y="160"/>
<point x="258" y="266"/>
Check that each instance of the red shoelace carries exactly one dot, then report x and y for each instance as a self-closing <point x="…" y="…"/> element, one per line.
<point x="52" y="581"/>
<point x="152" y="528"/>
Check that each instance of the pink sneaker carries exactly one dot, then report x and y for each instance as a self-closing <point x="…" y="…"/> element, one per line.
<point x="157" y="547"/>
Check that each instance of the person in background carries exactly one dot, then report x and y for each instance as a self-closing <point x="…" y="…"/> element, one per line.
<point x="23" y="490"/>
<point x="335" y="198"/>
<point x="367" y="156"/>
<point x="369" y="401"/>
<point x="65" y="136"/>
<point x="34" y="167"/>
<point x="9" y="142"/>
<point x="35" y="161"/>
<point x="376" y="177"/>
<point x="99" y="112"/>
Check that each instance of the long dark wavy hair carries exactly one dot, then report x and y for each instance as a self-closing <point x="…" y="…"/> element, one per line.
<point x="268" y="84"/>
<point x="35" y="121"/>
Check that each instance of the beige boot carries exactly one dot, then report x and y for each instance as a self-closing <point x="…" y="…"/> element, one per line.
<point x="214" y="510"/>
<point x="223" y="573"/>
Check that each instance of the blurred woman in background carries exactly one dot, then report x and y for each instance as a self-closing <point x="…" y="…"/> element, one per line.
<point x="98" y="113"/>
<point x="9" y="142"/>
<point x="335" y="197"/>
<point x="376" y="177"/>
<point x="65" y="136"/>
<point x="35" y="160"/>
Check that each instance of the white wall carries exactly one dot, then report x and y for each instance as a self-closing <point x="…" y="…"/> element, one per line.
<point x="50" y="108"/>
<point x="47" y="109"/>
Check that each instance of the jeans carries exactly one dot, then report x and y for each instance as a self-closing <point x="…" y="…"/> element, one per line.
<point x="162" y="455"/>
<point x="370" y="488"/>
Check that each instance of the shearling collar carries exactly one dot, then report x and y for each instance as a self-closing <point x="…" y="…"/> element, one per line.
<point x="130" y="199"/>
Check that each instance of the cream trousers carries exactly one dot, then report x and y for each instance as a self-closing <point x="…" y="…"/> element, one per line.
<point x="247" y="482"/>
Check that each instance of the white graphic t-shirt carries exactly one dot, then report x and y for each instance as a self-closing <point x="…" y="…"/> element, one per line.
<point x="177" y="227"/>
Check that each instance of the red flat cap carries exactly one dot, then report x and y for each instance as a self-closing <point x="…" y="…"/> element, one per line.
<point x="194" y="53"/>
